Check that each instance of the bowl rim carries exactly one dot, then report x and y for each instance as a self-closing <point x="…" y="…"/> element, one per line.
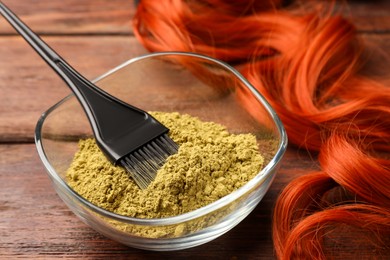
<point x="260" y="177"/>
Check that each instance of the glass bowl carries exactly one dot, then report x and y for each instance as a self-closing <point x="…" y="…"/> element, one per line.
<point x="171" y="82"/>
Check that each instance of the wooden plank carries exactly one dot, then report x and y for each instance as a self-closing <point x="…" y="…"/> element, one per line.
<point x="369" y="16"/>
<point x="114" y="16"/>
<point x="73" y="16"/>
<point x="29" y="87"/>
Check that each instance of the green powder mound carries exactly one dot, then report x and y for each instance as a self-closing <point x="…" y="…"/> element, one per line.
<point x="210" y="164"/>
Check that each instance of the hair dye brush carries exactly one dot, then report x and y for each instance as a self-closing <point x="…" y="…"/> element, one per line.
<point x="127" y="135"/>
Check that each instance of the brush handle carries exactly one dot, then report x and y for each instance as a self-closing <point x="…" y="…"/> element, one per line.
<point x="47" y="53"/>
<point x="58" y="64"/>
<point x="109" y="117"/>
<point x="40" y="46"/>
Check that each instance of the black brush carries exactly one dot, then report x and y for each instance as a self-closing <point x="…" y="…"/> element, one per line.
<point x="127" y="135"/>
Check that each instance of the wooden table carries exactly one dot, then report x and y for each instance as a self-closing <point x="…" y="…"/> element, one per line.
<point x="95" y="36"/>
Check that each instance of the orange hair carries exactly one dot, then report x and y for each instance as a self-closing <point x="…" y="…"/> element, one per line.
<point x="307" y="62"/>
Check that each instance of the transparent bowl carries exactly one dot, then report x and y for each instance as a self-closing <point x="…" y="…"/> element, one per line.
<point x="182" y="82"/>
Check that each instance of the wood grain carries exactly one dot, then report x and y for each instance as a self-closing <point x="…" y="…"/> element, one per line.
<point x="73" y="16"/>
<point x="114" y="16"/>
<point x="28" y="86"/>
<point x="95" y="36"/>
<point x="369" y="16"/>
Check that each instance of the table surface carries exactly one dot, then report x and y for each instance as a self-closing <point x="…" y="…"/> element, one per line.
<point x="95" y="36"/>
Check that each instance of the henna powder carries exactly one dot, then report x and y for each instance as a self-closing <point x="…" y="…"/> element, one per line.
<point x="210" y="164"/>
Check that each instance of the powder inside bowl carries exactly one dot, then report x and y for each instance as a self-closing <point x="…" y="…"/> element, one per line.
<point x="210" y="164"/>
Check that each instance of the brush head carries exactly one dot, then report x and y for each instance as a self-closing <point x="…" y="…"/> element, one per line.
<point x="130" y="137"/>
<point x="143" y="164"/>
<point x="127" y="135"/>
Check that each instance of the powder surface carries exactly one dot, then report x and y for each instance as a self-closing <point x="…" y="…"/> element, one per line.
<point x="210" y="164"/>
